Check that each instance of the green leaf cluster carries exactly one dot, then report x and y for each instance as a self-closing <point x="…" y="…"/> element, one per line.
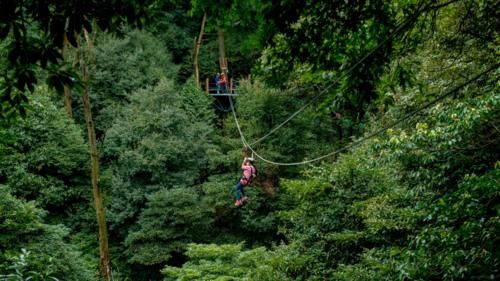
<point x="44" y="158"/>
<point x="223" y="263"/>
<point x="22" y="228"/>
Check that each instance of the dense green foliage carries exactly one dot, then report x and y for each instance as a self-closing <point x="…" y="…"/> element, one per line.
<point x="36" y="31"/>
<point x="419" y="200"/>
<point x="124" y="65"/>
<point x="224" y="262"/>
<point x="155" y="143"/>
<point x="22" y="229"/>
<point x="44" y="158"/>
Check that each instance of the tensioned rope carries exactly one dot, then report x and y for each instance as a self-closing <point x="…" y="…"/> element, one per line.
<point x="377" y="132"/>
<point x="400" y="27"/>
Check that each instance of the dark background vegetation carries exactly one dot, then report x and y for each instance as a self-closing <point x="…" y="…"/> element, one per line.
<point x="420" y="201"/>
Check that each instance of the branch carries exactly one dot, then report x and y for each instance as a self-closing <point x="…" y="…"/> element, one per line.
<point x="442" y="5"/>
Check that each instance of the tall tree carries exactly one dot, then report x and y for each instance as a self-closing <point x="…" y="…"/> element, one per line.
<point x="123" y="65"/>
<point x="85" y="65"/>
<point x="241" y="24"/>
<point x="196" y="51"/>
<point x="68" y="103"/>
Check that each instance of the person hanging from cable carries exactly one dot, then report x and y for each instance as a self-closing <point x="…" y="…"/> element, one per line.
<point x="249" y="173"/>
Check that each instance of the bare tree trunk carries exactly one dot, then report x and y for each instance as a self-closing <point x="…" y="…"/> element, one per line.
<point x="67" y="101"/>
<point x="67" y="91"/>
<point x="222" y="54"/>
<point x="196" y="51"/>
<point x="94" y="161"/>
<point x="196" y="72"/>
<point x="99" y="206"/>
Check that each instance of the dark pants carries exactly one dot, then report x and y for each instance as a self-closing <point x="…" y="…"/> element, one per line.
<point x="240" y="190"/>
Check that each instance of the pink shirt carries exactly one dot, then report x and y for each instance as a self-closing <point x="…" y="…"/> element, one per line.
<point x="247" y="171"/>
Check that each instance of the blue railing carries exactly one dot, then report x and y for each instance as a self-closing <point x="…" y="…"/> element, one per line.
<point x="230" y="89"/>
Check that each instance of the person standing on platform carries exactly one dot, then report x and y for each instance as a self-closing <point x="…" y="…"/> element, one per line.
<point x="223" y="83"/>
<point x="217" y="82"/>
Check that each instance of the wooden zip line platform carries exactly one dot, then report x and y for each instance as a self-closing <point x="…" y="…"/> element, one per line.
<point x="229" y="90"/>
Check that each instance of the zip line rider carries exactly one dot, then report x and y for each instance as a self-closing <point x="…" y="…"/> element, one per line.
<point x="249" y="172"/>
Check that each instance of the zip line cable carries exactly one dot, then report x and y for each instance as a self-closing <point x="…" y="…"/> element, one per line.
<point x="401" y="26"/>
<point x="377" y="132"/>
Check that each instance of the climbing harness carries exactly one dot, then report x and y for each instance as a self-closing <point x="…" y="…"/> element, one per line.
<point x="246" y="181"/>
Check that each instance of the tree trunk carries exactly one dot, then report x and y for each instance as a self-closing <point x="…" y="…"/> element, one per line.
<point x="99" y="207"/>
<point x="94" y="161"/>
<point x="67" y="91"/>
<point x="196" y="51"/>
<point x="67" y="101"/>
<point x="222" y="54"/>
<point x="196" y="72"/>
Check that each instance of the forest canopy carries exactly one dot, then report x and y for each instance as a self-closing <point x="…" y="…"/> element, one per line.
<point x="373" y="128"/>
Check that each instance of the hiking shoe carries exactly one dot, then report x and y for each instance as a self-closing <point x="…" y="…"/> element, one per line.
<point x="245" y="198"/>
<point x="238" y="203"/>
